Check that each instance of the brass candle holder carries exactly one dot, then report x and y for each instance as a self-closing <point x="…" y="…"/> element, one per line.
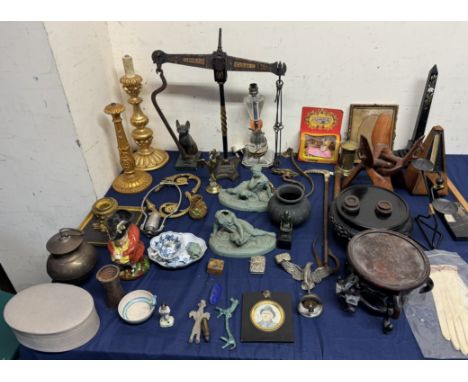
<point x="102" y="209"/>
<point x="146" y="157"/>
<point x="131" y="181"/>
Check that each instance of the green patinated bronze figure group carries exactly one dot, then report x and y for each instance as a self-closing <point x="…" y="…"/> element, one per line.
<point x="234" y="237"/>
<point x="250" y="195"/>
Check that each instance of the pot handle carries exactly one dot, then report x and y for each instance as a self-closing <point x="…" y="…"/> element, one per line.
<point x="65" y="232"/>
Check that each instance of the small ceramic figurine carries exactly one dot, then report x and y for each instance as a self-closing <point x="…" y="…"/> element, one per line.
<point x="234" y="237"/>
<point x="198" y="316"/>
<point x="250" y="195"/>
<point x="166" y="320"/>
<point x="125" y="246"/>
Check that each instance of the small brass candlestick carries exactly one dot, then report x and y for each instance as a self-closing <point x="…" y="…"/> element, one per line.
<point x="146" y="157"/>
<point x="131" y="181"/>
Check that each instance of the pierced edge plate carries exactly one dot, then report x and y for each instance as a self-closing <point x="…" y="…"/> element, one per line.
<point x="187" y="237"/>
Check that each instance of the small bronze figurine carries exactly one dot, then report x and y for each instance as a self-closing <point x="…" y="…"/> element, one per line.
<point x="211" y="164"/>
<point x="286" y="227"/>
<point x="229" y="341"/>
<point x="198" y="316"/>
<point x="185" y="139"/>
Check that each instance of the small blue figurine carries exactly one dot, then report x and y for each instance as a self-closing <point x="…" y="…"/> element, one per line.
<point x="215" y="294"/>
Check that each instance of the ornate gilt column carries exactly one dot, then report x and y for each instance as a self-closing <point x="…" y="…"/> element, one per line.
<point x="132" y="180"/>
<point x="146" y="157"/>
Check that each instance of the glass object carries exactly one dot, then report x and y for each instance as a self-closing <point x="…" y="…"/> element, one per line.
<point x="347" y="156"/>
<point x="256" y="150"/>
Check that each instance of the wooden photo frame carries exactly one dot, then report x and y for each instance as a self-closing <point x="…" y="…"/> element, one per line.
<point x="362" y="120"/>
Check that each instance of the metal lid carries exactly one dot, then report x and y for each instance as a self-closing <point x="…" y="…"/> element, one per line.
<point x="388" y="260"/>
<point x="65" y="241"/>
<point x="350" y="145"/>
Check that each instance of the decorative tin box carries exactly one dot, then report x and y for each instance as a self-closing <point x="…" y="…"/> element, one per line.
<point x="320" y="134"/>
<point x="52" y="317"/>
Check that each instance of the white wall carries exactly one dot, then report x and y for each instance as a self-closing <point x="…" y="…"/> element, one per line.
<point x="329" y="65"/>
<point x="45" y="183"/>
<point x="83" y="55"/>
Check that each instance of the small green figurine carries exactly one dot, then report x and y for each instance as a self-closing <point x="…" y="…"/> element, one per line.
<point x="230" y="341"/>
<point x="234" y="237"/>
<point x="250" y="195"/>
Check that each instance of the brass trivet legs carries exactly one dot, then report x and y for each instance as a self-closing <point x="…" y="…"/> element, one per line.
<point x="146" y="157"/>
<point x="131" y="181"/>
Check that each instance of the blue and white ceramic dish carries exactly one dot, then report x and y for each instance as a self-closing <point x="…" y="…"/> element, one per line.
<point x="137" y="306"/>
<point x="190" y="249"/>
<point x="166" y="244"/>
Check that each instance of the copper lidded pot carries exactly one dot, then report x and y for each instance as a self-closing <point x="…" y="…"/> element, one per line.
<point x="71" y="258"/>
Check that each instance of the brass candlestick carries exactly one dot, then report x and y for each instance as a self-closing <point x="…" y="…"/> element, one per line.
<point x="146" y="157"/>
<point x="131" y="181"/>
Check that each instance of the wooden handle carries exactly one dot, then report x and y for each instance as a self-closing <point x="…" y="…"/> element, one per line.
<point x="454" y="190"/>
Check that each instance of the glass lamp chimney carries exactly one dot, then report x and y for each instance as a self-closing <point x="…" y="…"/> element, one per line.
<point x="254" y="104"/>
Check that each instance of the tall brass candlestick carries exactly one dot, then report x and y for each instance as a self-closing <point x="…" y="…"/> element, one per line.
<point x="146" y="157"/>
<point x="131" y="181"/>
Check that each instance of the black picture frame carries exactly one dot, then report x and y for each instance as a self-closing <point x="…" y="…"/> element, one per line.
<point x="279" y="329"/>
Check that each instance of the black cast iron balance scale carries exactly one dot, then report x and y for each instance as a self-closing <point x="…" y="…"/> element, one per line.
<point x="220" y="63"/>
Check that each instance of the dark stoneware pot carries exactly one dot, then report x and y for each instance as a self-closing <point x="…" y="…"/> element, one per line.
<point x="292" y="198"/>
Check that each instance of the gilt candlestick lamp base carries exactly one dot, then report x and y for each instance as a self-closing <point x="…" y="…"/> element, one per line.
<point x="147" y="158"/>
<point x="150" y="159"/>
<point x="131" y="181"/>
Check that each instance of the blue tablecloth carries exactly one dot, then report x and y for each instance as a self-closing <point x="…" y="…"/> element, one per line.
<point x="334" y="335"/>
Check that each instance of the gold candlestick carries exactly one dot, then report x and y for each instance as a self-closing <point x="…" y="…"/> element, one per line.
<point x="131" y="181"/>
<point x="146" y="157"/>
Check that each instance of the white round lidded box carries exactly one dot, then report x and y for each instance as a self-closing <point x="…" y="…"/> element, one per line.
<point x="52" y="317"/>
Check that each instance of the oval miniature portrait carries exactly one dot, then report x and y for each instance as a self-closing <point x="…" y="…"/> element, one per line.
<point x="267" y="315"/>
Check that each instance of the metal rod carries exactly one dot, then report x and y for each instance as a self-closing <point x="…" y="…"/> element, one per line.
<point x="325" y="218"/>
<point x="163" y="117"/>
<point x="223" y="120"/>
